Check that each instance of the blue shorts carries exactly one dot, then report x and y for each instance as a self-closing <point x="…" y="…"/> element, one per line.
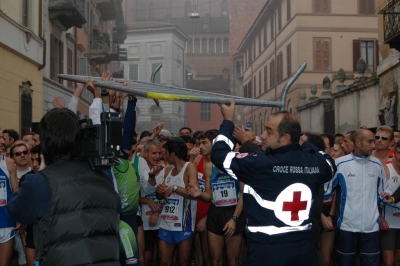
<point x="174" y="237"/>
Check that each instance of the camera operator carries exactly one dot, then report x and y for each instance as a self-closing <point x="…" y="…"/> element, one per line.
<point x="73" y="208"/>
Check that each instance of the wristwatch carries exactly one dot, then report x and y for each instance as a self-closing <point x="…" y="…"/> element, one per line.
<point x="175" y="188"/>
<point x="235" y="218"/>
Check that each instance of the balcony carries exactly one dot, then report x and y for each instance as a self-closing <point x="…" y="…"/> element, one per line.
<point x="70" y="13"/>
<point x="391" y="23"/>
<point x="99" y="49"/>
<point x="107" y="8"/>
<point x="119" y="34"/>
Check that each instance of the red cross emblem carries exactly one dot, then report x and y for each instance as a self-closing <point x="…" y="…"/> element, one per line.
<point x="295" y="206"/>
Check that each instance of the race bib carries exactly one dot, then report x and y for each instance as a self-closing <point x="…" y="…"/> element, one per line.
<point x="170" y="211"/>
<point x="224" y="194"/>
<point x="3" y="193"/>
<point x="202" y="183"/>
<point x="147" y="209"/>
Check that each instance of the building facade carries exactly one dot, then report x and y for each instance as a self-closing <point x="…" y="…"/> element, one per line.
<point x="148" y="44"/>
<point x="215" y="29"/>
<point x="21" y="60"/>
<point x="328" y="35"/>
<point x="83" y="38"/>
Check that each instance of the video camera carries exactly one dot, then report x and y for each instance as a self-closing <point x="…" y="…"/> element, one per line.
<point x="100" y="144"/>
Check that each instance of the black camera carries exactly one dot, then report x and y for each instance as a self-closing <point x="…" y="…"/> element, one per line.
<point x="100" y="144"/>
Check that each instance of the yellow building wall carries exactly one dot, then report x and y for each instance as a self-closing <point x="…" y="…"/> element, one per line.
<point x="13" y="71"/>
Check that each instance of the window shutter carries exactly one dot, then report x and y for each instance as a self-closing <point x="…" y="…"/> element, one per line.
<point x="52" y="56"/>
<point x="88" y="70"/>
<point x="356" y="53"/>
<point x="82" y="66"/>
<point x="245" y="91"/>
<point x="61" y="66"/>
<point x="289" y="59"/>
<point x="317" y="6"/>
<point x="376" y="54"/>
<point x="259" y="83"/>
<point x="265" y="79"/>
<point x="133" y="72"/>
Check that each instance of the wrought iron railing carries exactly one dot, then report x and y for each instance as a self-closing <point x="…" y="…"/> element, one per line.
<point x="391" y="19"/>
<point x="100" y="43"/>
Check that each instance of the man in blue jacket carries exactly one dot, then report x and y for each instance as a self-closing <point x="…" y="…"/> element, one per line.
<point x="280" y="186"/>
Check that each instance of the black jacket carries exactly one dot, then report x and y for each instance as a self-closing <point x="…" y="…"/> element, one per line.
<point x="80" y="226"/>
<point x="280" y="186"/>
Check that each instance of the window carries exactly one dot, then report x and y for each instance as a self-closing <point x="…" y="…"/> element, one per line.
<point x="272" y="29"/>
<point x="196" y="46"/>
<point x="225" y="47"/>
<point x="204" y="46"/>
<point x="321" y="6"/>
<point x="367" y="50"/>
<point x="211" y="45"/>
<point x="219" y="45"/>
<point x="366" y="7"/>
<point x="322" y="54"/>
<point x="188" y="9"/>
<point x="151" y="11"/>
<point x="367" y="53"/>
<point x="224" y="8"/>
<point x="279" y="67"/>
<point x="57" y="57"/>
<point x="272" y="74"/>
<point x="265" y="78"/>
<point x="25" y="13"/>
<point x="205" y="112"/>
<point x="69" y="66"/>
<point x="251" y="54"/>
<point x="133" y="71"/>
<point x="157" y="78"/>
<point x="265" y="36"/>
<point x="238" y="69"/>
<point x="249" y="90"/>
<point x="259" y="83"/>
<point x="289" y="9"/>
<point x="289" y="59"/>
<point x="255" y="86"/>
<point x="259" y="43"/>
<point x="279" y="18"/>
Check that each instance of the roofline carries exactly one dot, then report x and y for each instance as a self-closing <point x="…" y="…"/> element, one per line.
<point x="160" y="28"/>
<point x="254" y="24"/>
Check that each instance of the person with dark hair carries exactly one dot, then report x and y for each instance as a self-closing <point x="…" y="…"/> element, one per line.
<point x="196" y="134"/>
<point x="185" y="131"/>
<point x="81" y="204"/>
<point x="359" y="179"/>
<point x="28" y="138"/>
<point x="338" y="136"/>
<point x="179" y="211"/>
<point x="280" y="186"/>
<point x="27" y="231"/>
<point x="9" y="136"/>
<point x="8" y="227"/>
<point x="348" y="142"/>
<point x="225" y="219"/>
<point x="329" y="141"/>
<point x="144" y="134"/>
<point x="202" y="251"/>
<point x="190" y="142"/>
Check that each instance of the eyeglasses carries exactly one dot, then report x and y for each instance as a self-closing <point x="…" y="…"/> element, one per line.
<point x="381" y="137"/>
<point x="19" y="153"/>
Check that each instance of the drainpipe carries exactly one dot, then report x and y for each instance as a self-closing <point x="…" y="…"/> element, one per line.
<point x="41" y="34"/>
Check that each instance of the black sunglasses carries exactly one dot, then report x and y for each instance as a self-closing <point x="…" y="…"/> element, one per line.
<point x="380" y="137"/>
<point x="19" y="153"/>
